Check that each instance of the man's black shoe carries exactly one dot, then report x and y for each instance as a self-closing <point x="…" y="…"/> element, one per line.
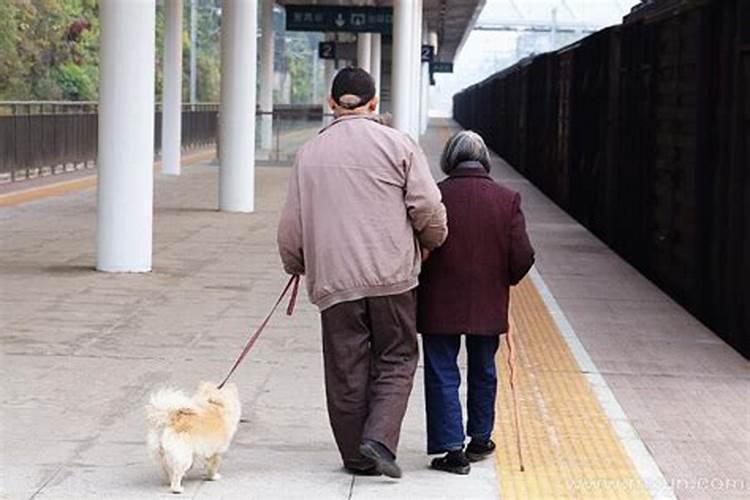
<point x="385" y="462"/>
<point x="369" y="471"/>
<point x="479" y="449"/>
<point x="454" y="462"/>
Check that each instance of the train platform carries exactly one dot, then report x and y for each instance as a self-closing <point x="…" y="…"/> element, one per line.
<point x="621" y="393"/>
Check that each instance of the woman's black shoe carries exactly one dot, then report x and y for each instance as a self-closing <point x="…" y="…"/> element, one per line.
<point x="454" y="461"/>
<point x="384" y="460"/>
<point x="479" y="449"/>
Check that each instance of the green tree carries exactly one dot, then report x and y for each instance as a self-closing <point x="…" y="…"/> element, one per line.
<point x="48" y="49"/>
<point x="299" y="61"/>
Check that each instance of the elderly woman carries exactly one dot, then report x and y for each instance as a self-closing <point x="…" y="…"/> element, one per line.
<point x="463" y="292"/>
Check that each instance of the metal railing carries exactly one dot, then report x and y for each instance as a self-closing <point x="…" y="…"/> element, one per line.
<point x="46" y="107"/>
<point x="40" y="138"/>
<point x="292" y="126"/>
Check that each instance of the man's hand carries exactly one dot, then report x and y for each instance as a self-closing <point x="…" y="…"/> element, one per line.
<point x="425" y="254"/>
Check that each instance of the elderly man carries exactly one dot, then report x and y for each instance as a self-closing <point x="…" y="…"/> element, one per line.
<point x="361" y="211"/>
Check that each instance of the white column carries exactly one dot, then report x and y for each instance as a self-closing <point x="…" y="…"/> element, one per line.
<point x="266" y="77"/>
<point x="433" y="37"/>
<point x="328" y="72"/>
<point x="314" y="63"/>
<point x="434" y="41"/>
<point x="424" y="101"/>
<point x="126" y="136"/>
<point x="401" y="74"/>
<point x="171" y="118"/>
<point x="416" y="67"/>
<point x="376" y="62"/>
<point x="237" y="108"/>
<point x="364" y="47"/>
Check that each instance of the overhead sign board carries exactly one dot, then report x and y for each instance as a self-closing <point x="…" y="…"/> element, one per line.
<point x="339" y="18"/>
<point x="441" y="67"/>
<point x="428" y="53"/>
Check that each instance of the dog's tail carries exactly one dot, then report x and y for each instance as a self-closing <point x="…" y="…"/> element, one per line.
<point x="164" y="404"/>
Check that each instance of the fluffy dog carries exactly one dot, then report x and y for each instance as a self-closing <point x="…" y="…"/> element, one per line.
<point x="181" y="428"/>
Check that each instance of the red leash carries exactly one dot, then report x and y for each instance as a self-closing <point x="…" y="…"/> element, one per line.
<point x="294" y="285"/>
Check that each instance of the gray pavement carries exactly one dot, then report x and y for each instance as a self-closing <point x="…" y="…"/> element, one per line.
<point x="81" y="350"/>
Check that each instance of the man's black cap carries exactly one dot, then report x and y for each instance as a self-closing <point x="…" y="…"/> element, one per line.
<point x="352" y="88"/>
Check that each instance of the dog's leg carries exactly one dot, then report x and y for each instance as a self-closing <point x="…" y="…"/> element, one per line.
<point x="178" y="464"/>
<point x="176" y="481"/>
<point x="174" y="473"/>
<point x="212" y="467"/>
<point x="178" y="458"/>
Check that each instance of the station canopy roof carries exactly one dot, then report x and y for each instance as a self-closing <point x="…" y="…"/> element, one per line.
<point x="453" y="20"/>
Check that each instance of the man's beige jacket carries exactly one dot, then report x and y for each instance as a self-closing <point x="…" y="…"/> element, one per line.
<point x="361" y="205"/>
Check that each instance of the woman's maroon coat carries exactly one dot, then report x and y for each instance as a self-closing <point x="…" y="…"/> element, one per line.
<point x="464" y="285"/>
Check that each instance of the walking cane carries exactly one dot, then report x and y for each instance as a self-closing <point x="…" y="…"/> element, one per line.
<point x="512" y="373"/>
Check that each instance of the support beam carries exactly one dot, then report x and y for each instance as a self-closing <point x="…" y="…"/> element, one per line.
<point x="433" y="37"/>
<point x="125" y="156"/>
<point x="329" y="70"/>
<point x="424" y="101"/>
<point x="416" y="69"/>
<point x="364" y="50"/>
<point x="376" y="62"/>
<point x="402" y="74"/>
<point x="266" y="78"/>
<point x="171" y="122"/>
<point x="237" y="108"/>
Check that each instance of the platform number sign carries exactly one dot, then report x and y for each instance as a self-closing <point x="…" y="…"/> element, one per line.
<point x="428" y="53"/>
<point x="327" y="50"/>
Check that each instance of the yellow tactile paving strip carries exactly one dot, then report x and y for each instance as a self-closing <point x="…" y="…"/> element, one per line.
<point x="569" y="447"/>
<point x="80" y="184"/>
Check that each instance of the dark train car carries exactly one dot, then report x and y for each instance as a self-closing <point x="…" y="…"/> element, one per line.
<point x="524" y="96"/>
<point x="641" y="132"/>
<point x="727" y="302"/>
<point x="584" y="128"/>
<point x="503" y="117"/>
<point x="593" y="130"/>
<point x="675" y="71"/>
<point x="634" y="150"/>
<point x="541" y="122"/>
<point x="563" y="160"/>
<point x="686" y="59"/>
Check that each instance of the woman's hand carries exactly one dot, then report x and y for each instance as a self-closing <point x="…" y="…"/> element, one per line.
<point x="425" y="254"/>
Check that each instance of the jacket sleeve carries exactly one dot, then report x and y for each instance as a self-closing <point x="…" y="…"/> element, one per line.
<point x="521" y="251"/>
<point x="289" y="234"/>
<point x="423" y="201"/>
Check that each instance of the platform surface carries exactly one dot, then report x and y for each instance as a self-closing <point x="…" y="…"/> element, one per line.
<point x="82" y="349"/>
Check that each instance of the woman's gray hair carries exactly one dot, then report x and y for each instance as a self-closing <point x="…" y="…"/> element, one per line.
<point x="464" y="146"/>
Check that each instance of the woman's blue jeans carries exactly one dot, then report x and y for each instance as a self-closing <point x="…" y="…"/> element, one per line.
<point x="442" y="378"/>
